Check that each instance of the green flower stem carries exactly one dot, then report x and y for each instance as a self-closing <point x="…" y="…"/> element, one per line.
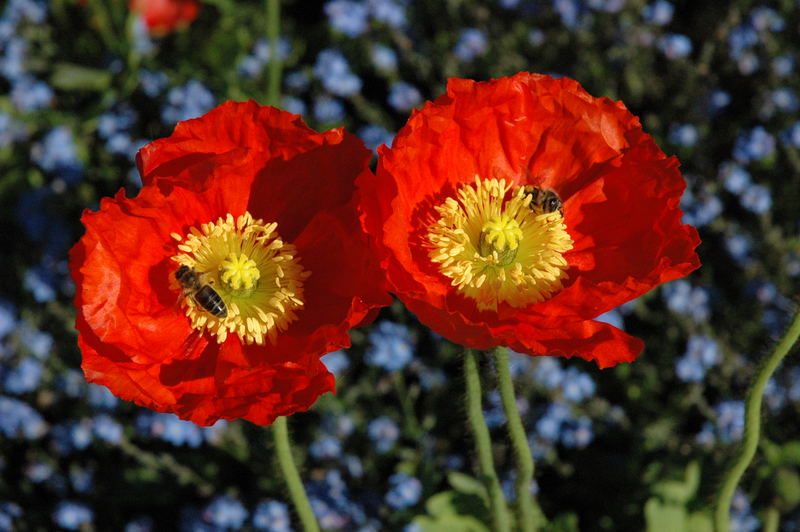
<point x="283" y="450"/>
<point x="483" y="444"/>
<point x="273" y="30"/>
<point x="530" y="517"/>
<point x="752" y="426"/>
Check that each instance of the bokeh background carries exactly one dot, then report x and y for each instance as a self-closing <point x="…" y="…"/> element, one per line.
<point x="82" y="87"/>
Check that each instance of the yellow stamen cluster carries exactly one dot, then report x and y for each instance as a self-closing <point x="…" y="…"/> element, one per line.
<point x="256" y="273"/>
<point x="496" y="247"/>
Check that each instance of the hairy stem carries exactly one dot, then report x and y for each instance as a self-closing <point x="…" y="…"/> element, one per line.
<point x="752" y="426"/>
<point x="283" y="451"/>
<point x="527" y="514"/>
<point x="483" y="444"/>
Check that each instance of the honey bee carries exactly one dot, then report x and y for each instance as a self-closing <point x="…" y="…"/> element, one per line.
<point x="202" y="293"/>
<point x="545" y="199"/>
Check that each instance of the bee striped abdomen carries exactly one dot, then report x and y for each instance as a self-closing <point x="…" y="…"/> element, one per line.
<point x="211" y="301"/>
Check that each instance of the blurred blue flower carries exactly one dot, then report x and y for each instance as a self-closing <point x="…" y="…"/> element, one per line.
<point x="430" y="378"/>
<point x="140" y="524"/>
<point x="262" y="49"/>
<point x="121" y="119"/>
<point x="332" y="69"/>
<point x="41" y="283"/>
<point x="753" y="145"/>
<point x="56" y="153"/>
<point x="353" y="466"/>
<point x="8" y="512"/>
<point x="71" y="436"/>
<point x="71" y="515"/>
<point x="735" y="178"/>
<point x="30" y="94"/>
<point x="391" y="346"/>
<point x="548" y="427"/>
<point x="494" y="414"/>
<point x="756" y="198"/>
<point x="658" y="13"/>
<point x="383" y="57"/>
<point x="536" y="37"/>
<point x="71" y="382"/>
<point x="8" y="317"/>
<point x="331" y="504"/>
<point x="729" y="423"/>
<point x="347" y="16"/>
<point x="339" y="425"/>
<point x="405" y="491"/>
<point x="293" y="105"/>
<point x="774" y="395"/>
<point x="142" y="43"/>
<point x="739" y="245"/>
<point x="325" y="448"/>
<point x="685" y="135"/>
<point x="107" y="429"/>
<point x="718" y="100"/>
<point x="740" y="39"/>
<point x="683" y="298"/>
<point x="472" y="43"/>
<point x="383" y="431"/>
<point x="701" y="210"/>
<point x="748" y="63"/>
<point x="702" y="353"/>
<point x="19" y="419"/>
<point x="336" y="362"/>
<point x="225" y="512"/>
<point x="791" y="135"/>
<point x="675" y="45"/>
<point x="766" y="19"/>
<point x="100" y="397"/>
<point x="783" y="65"/>
<point x="24" y="377"/>
<point x="578" y="433"/>
<point x="170" y="428"/>
<point x="577" y="385"/>
<point x="17" y="11"/>
<point x="11" y="131"/>
<point x="390" y="12"/>
<point x="793" y="393"/>
<point x="272" y="516"/>
<point x="373" y="136"/>
<point x="607" y="6"/>
<point x="39" y="472"/>
<point x="569" y="11"/>
<point x="82" y="479"/>
<point x="187" y="101"/>
<point x="404" y="96"/>
<point x="12" y="62"/>
<point x="548" y="372"/>
<point x="742" y="517"/>
<point x="152" y="82"/>
<point x="519" y="364"/>
<point x="328" y="110"/>
<point x="296" y="80"/>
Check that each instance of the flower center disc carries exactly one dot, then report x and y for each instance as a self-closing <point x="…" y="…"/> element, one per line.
<point x="499" y="250"/>
<point x="245" y="263"/>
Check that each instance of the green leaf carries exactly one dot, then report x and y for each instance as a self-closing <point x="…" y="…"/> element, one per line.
<point x="790" y="453"/>
<point x="787" y="487"/>
<point x="466" y="484"/>
<point x="71" y="77"/>
<point x="661" y="517"/>
<point x="450" y="523"/>
<point x="700" y="522"/>
<point x="562" y="523"/>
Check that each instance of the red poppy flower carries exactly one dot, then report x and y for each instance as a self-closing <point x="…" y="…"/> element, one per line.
<point x="513" y="212"/>
<point x="165" y="16"/>
<point x="256" y="213"/>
